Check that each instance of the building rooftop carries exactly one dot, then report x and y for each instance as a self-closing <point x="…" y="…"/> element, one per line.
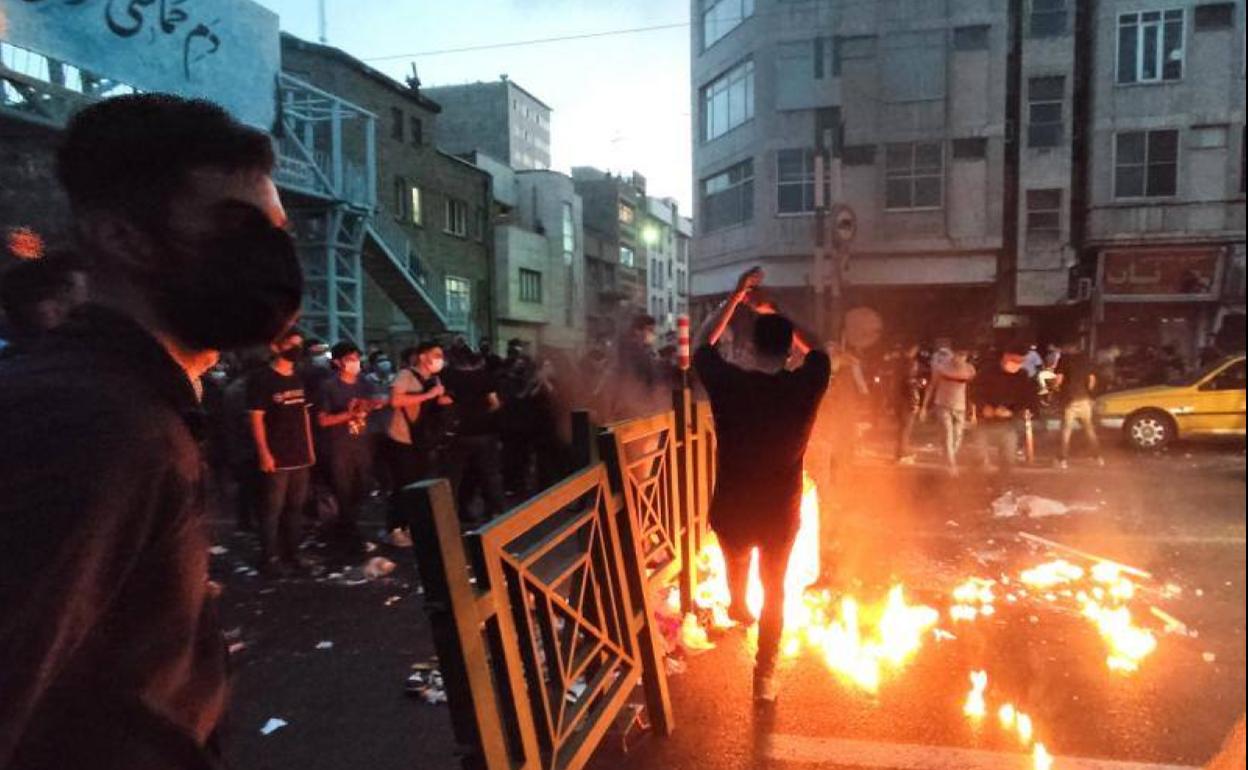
<point x="503" y="81"/>
<point x="400" y="89"/>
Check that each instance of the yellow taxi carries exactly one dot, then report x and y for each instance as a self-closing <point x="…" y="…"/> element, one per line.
<point x="1211" y="404"/>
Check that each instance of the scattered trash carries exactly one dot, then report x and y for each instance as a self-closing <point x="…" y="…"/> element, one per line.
<point x="425" y="682"/>
<point x="273" y="725"/>
<point x="241" y="570"/>
<point x="675" y="666"/>
<point x="378" y="567"/>
<point x="952" y="523"/>
<point x="237" y="647"/>
<point x="1210" y="657"/>
<point x="369" y="546"/>
<point x="253" y="573"/>
<point x="576" y="691"/>
<point x="943" y="635"/>
<point x="218" y="550"/>
<point x="326" y="645"/>
<point x="393" y="600"/>
<point x="1009" y="506"/>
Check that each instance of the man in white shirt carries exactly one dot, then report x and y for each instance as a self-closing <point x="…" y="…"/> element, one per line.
<point x="417" y="399"/>
<point x="947" y="390"/>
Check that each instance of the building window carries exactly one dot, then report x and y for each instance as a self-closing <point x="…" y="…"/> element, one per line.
<point x="1048" y="18"/>
<point x="972" y="148"/>
<point x="1150" y="46"/>
<point x="858" y="155"/>
<point x="569" y="234"/>
<point x="728" y="197"/>
<point x="1214" y="16"/>
<point x="530" y="286"/>
<point x="728" y="101"/>
<point x="458" y="303"/>
<point x="628" y="215"/>
<point x="795" y="182"/>
<point x="1044" y="216"/>
<point x="914" y="175"/>
<point x="858" y="47"/>
<point x="415" y="212"/>
<point x="628" y="258"/>
<point x="974" y="38"/>
<point x="396" y="124"/>
<point x="719" y="17"/>
<point x="418" y="131"/>
<point x="402" y="203"/>
<point x="1146" y="164"/>
<point x="1045" y="97"/>
<point x="456" y="217"/>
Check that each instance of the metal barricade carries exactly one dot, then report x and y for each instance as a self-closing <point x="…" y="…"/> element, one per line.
<point x="541" y="620"/>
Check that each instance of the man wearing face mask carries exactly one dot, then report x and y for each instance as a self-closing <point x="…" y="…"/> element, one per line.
<point x="415" y="436"/>
<point x="343" y="406"/>
<point x="112" y="655"/>
<point x="282" y="432"/>
<point x="1003" y="397"/>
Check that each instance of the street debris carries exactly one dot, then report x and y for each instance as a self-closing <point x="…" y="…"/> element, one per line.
<point x="378" y="567"/>
<point x="675" y="666"/>
<point x="326" y="645"/>
<point x="218" y="550"/>
<point x="273" y="725"/>
<point x="425" y="682"/>
<point x="1010" y="505"/>
<point x="1209" y="657"/>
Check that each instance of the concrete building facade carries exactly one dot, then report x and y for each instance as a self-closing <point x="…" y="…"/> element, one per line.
<point x="428" y="251"/>
<point x="1164" y="248"/>
<point x="500" y="119"/>
<point x="904" y="105"/>
<point x="615" y="254"/>
<point x="539" y="257"/>
<point x="667" y="247"/>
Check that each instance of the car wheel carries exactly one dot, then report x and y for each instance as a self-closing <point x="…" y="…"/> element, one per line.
<point x="1150" y="431"/>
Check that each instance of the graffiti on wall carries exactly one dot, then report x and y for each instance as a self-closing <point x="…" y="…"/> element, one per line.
<point x="224" y="50"/>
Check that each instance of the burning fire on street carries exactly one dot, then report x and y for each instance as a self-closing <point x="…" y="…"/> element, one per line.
<point x="866" y="642"/>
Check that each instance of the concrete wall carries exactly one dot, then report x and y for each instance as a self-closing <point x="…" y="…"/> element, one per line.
<point x="499" y="118"/>
<point x="1209" y="99"/>
<point x="906" y="84"/>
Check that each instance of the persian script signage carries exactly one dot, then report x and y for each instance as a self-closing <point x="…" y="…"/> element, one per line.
<point x="227" y="51"/>
<point x="1173" y="274"/>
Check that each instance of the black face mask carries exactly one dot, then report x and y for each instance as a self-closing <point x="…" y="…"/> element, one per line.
<point x="238" y="287"/>
<point x="292" y="355"/>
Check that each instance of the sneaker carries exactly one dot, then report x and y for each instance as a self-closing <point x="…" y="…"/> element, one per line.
<point x="740" y="615"/>
<point x="399" y="538"/>
<point x="766" y="688"/>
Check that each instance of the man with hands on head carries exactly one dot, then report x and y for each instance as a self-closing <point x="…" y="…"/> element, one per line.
<point x="763" y="420"/>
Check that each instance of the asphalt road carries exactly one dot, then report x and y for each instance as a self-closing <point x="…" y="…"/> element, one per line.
<point x="1179" y="516"/>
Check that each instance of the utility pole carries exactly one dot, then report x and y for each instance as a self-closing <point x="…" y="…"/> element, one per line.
<point x="323" y="23"/>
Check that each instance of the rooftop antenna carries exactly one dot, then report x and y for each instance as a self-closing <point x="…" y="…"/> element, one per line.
<point x="413" y="80"/>
<point x="323" y="23"/>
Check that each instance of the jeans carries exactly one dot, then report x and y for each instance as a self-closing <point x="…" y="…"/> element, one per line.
<point x="1001" y="435"/>
<point x="475" y="464"/>
<point x="347" y="466"/>
<point x="408" y="465"/>
<point x="1080" y="411"/>
<point x="773" y="563"/>
<point x="282" y="495"/>
<point x="953" y="428"/>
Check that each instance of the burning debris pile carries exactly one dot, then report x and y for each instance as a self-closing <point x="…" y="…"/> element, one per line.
<point x="865" y="643"/>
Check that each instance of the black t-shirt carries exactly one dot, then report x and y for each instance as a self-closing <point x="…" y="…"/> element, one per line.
<point x="1075" y="371"/>
<point x="470" y="389"/>
<point x="762" y="423"/>
<point x="285" y="405"/>
<point x="335" y="397"/>
<point x="1000" y="389"/>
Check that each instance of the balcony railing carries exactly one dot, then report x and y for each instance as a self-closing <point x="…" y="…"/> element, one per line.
<point x="326" y="145"/>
